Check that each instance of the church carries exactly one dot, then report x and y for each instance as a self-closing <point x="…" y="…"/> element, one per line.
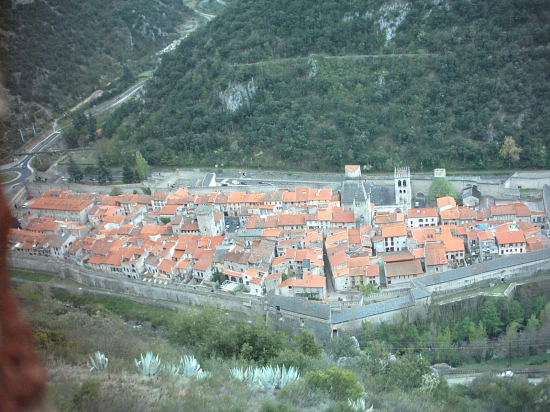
<point x="366" y="199"/>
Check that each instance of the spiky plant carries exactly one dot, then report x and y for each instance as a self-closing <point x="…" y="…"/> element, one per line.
<point x="288" y="376"/>
<point x="99" y="362"/>
<point x="189" y="365"/>
<point x="172" y="369"/>
<point x="203" y="374"/>
<point x="148" y="365"/>
<point x="268" y="377"/>
<point x="247" y="375"/>
<point x="357" y="405"/>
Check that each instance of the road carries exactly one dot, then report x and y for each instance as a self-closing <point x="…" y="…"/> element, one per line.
<point x="23" y="168"/>
<point x="120" y="99"/>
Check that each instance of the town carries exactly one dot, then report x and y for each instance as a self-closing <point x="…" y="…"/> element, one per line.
<point x="313" y="243"/>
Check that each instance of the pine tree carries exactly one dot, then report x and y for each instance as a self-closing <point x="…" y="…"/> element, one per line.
<point x="75" y="172"/>
<point x="103" y="174"/>
<point x="127" y="173"/>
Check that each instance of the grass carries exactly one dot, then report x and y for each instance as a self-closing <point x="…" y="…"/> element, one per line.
<point x="32" y="275"/>
<point x="540" y="361"/>
<point x="145" y="75"/>
<point x="7" y="176"/>
<point x="128" y="309"/>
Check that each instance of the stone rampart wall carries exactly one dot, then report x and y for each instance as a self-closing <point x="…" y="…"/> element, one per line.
<point x="184" y="294"/>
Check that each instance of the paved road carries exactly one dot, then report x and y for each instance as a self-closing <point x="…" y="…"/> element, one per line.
<point x="120" y="99"/>
<point x="23" y="168"/>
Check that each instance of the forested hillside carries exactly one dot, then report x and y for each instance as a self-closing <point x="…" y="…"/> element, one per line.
<point x="56" y="53"/>
<point x="317" y="84"/>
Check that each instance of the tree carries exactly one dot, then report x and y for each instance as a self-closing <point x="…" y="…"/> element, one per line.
<point x="307" y="344"/>
<point x="75" y="172"/>
<point x="440" y="187"/>
<point x="142" y="167"/>
<point x="490" y="317"/>
<point x="71" y="138"/>
<point x="89" y="170"/>
<point x="103" y="174"/>
<point x="92" y="125"/>
<point x="510" y="151"/>
<point x="115" y="191"/>
<point x="79" y="120"/>
<point x="127" y="173"/>
<point x="366" y="290"/>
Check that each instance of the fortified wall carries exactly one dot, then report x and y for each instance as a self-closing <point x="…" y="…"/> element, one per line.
<point x="184" y="294"/>
<point x="322" y="318"/>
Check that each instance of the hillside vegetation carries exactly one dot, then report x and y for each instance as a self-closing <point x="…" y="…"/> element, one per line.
<point x="55" y="53"/>
<point x="318" y="84"/>
<point x="68" y="329"/>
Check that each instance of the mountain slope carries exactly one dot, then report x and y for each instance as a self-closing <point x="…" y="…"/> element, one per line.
<point x="317" y="84"/>
<point x="61" y="51"/>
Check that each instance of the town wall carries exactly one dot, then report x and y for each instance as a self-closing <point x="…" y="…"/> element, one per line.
<point x="184" y="294"/>
<point x="293" y="323"/>
<point x="528" y="180"/>
<point x="294" y="314"/>
<point x="502" y="269"/>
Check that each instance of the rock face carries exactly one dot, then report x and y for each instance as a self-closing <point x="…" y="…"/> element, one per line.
<point x="238" y="94"/>
<point x="391" y="16"/>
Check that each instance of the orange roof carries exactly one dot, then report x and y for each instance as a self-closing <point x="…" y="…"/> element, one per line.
<point x="435" y="254"/>
<point x="394" y="231"/>
<point x="352" y="168"/>
<point x="340" y="272"/>
<point x="292" y="219"/>
<point x="450" y="214"/>
<point x="359" y="261"/>
<point x="205" y="260"/>
<point x="446" y="201"/>
<point x="400" y="256"/>
<point x="339" y="215"/>
<point x="422" y="212"/>
<point x="54" y="203"/>
<point x="337" y="238"/>
<point x="307" y="281"/>
<point x="410" y="268"/>
<point x="338" y="259"/>
<point x="166" y="265"/>
<point x="511" y="236"/>
<point x="169" y="209"/>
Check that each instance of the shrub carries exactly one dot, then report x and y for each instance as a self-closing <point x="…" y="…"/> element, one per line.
<point x="340" y="384"/>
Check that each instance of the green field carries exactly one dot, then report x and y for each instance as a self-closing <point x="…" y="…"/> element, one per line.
<point x="32" y="275"/>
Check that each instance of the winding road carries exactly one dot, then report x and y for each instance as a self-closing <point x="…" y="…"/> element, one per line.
<point x="22" y="167"/>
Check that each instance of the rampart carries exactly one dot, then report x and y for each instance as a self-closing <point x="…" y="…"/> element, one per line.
<point x="293" y="314"/>
<point x="184" y="294"/>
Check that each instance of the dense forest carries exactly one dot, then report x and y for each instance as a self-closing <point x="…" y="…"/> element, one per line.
<point x="54" y="54"/>
<point x="318" y="84"/>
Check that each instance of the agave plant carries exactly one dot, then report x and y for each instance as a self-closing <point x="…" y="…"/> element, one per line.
<point x="148" y="365"/>
<point x="359" y="405"/>
<point x="268" y="377"/>
<point x="189" y="365"/>
<point x="172" y="369"/>
<point x="288" y="376"/>
<point x="99" y="362"/>
<point x="203" y="374"/>
<point x="247" y="375"/>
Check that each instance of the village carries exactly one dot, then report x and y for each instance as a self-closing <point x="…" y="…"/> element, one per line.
<point x="312" y="243"/>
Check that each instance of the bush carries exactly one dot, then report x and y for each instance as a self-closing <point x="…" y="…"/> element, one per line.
<point x="340" y="384"/>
